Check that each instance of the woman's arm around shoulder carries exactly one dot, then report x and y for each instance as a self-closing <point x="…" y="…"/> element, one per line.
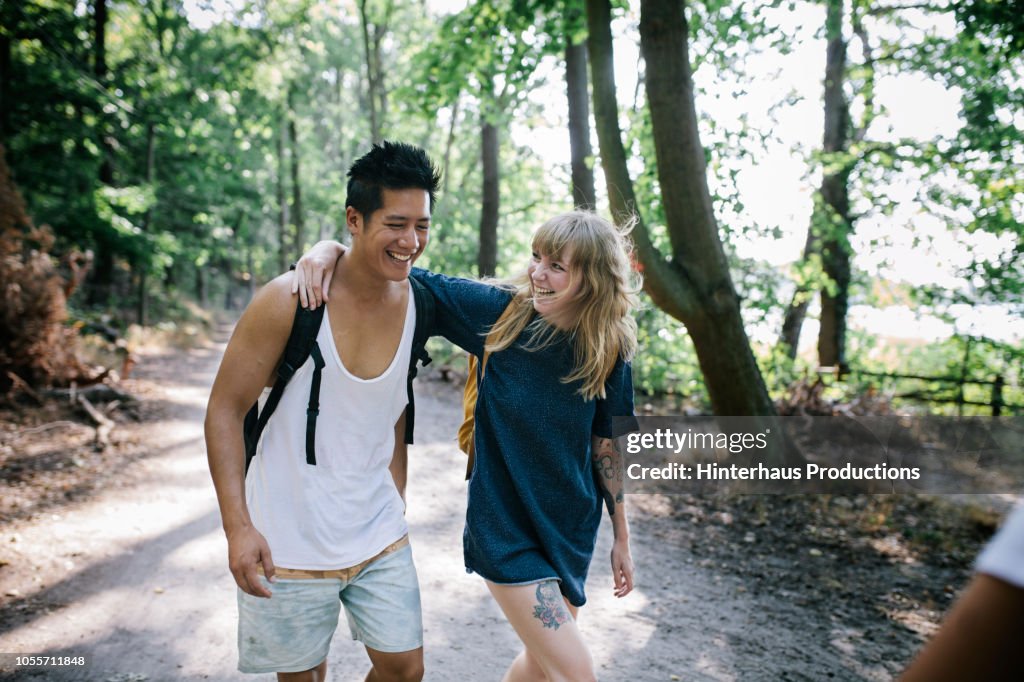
<point x="466" y="309"/>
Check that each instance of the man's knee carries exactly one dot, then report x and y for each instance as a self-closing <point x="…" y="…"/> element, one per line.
<point x="405" y="667"/>
<point x="409" y="671"/>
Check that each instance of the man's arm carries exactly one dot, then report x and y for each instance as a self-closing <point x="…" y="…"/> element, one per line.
<point x="400" y="459"/>
<point x="607" y="461"/>
<point x="979" y="639"/>
<point x="248" y="365"/>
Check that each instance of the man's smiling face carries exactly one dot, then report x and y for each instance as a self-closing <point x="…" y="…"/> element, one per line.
<point x="395" y="234"/>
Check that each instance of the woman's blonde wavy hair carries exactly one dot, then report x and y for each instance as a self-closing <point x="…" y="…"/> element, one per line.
<point x="604" y="329"/>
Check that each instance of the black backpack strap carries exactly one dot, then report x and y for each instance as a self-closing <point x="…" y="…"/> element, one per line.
<point x="301" y="341"/>
<point x="313" y="410"/>
<point x="425" y="308"/>
<point x="300" y="344"/>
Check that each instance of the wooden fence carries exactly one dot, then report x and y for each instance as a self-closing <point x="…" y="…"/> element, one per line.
<point x="997" y="404"/>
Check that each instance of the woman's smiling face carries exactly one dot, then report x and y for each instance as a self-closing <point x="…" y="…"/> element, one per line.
<point x="553" y="287"/>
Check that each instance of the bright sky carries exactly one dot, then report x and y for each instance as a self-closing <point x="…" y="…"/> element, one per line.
<point x="775" y="189"/>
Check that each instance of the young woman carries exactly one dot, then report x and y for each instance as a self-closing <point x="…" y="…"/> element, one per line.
<point x="545" y="456"/>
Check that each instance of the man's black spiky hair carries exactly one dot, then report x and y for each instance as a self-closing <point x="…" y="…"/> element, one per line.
<point x="390" y="165"/>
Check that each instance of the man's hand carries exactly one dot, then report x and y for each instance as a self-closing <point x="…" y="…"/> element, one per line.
<point x="622" y="567"/>
<point x="247" y="550"/>
<point x="313" y="272"/>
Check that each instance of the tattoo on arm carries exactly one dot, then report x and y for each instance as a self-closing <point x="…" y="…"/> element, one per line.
<point x="607" y="460"/>
<point x="550" y="609"/>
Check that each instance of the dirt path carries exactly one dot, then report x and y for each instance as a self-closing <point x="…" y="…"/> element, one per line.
<point x="135" y="577"/>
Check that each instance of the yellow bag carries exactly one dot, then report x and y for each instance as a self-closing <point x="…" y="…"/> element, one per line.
<point x="469" y="395"/>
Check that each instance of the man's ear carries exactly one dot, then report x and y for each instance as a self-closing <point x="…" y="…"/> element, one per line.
<point x="353" y="220"/>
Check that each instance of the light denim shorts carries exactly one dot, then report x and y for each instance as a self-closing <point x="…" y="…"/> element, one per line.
<point x="292" y="631"/>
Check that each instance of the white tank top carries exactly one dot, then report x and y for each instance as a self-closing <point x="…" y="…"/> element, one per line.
<point x="345" y="509"/>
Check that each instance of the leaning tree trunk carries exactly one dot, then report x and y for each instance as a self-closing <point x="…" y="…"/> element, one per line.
<point x="835" y="246"/>
<point x="583" y="193"/>
<point x="487" y="258"/>
<point x="730" y="371"/>
<point x="665" y="290"/>
<point x="694" y="286"/>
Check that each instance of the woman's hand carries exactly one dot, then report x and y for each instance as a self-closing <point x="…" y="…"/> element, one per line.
<point x="622" y="567"/>
<point x="312" y="276"/>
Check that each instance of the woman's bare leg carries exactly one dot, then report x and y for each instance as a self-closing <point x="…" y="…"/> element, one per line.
<point x="555" y="650"/>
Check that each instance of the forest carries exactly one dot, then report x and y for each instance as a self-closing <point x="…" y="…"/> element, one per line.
<point x="172" y="156"/>
<point x="829" y="221"/>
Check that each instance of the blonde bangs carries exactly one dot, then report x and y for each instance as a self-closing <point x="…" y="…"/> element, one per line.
<point x="553" y="237"/>
<point x="604" y="330"/>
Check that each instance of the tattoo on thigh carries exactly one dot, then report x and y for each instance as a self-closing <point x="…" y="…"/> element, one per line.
<point x="550" y="609"/>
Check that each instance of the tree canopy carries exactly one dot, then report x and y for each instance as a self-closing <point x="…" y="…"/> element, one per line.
<point x="195" y="153"/>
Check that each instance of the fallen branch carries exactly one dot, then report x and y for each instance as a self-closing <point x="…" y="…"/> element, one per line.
<point x="97" y="393"/>
<point x="46" y="427"/>
<point x="104" y="425"/>
<point x="19" y="384"/>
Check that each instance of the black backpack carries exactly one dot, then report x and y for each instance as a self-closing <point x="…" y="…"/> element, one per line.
<point x="302" y="344"/>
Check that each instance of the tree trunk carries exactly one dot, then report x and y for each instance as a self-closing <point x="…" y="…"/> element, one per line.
<point x="100" y="71"/>
<point x="827" y="234"/>
<point x="5" y="85"/>
<point x="796" y="312"/>
<point x="583" y="193"/>
<point x="445" y="168"/>
<point x="297" y="218"/>
<point x="694" y="286"/>
<point x="142" y="310"/>
<point x="102" y="276"/>
<point x="376" y="92"/>
<point x="731" y="374"/>
<point x="202" y="288"/>
<point x="378" y="84"/>
<point x="250" y="265"/>
<point x="371" y="98"/>
<point x="99" y="17"/>
<point x="284" y="257"/>
<point x="487" y="260"/>
<point x="835" y="245"/>
<point x="666" y="291"/>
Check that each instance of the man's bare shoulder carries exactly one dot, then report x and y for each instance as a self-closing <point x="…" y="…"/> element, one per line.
<point x="272" y="311"/>
<point x="255" y="348"/>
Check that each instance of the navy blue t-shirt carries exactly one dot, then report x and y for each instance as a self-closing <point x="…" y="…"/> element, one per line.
<point x="534" y="506"/>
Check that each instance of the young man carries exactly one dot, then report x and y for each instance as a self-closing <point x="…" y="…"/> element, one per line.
<point x="302" y="536"/>
<point x="980" y="638"/>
